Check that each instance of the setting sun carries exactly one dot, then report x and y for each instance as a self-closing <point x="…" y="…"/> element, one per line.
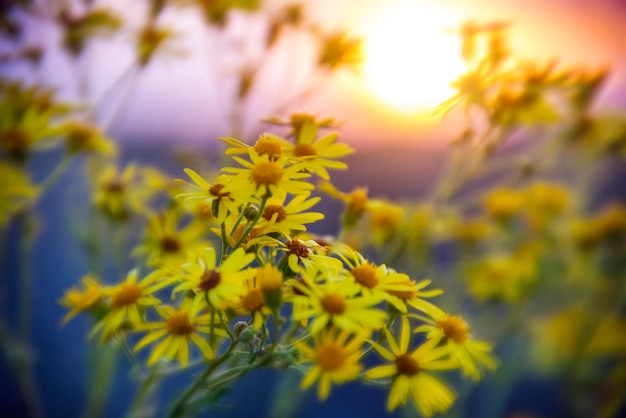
<point x="411" y="57"/>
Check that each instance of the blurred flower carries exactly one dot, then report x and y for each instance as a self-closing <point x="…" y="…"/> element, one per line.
<point x="502" y="204"/>
<point x="81" y="300"/>
<point x="335" y="359"/>
<point x="408" y="372"/>
<point x="338" y="49"/>
<point x="16" y="192"/>
<point x="78" y="30"/>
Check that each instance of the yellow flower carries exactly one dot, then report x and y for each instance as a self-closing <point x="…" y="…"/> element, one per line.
<point x="308" y="253"/>
<point x="166" y="243"/>
<point x="400" y="299"/>
<point x="127" y="301"/>
<point x="221" y="202"/>
<point x="502" y="204"/>
<point x="385" y="220"/>
<point x="335" y="360"/>
<point x="317" y="155"/>
<point x="253" y="302"/>
<point x="180" y="327"/>
<point x="267" y="145"/>
<point x="455" y="333"/>
<point x="297" y="121"/>
<point x="338" y="49"/>
<point x="356" y="202"/>
<point x="284" y="219"/>
<point x="218" y="284"/>
<point x="80" y="300"/>
<point x="83" y="137"/>
<point x="265" y="177"/>
<point x="15" y="191"/>
<point x="337" y="302"/>
<point x="408" y="372"/>
<point x="372" y="280"/>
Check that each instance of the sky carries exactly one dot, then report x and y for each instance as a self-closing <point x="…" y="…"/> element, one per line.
<point x="186" y="99"/>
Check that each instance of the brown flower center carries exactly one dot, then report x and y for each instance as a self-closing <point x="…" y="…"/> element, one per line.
<point x="404" y="294"/>
<point x="298" y="248"/>
<point x="304" y="150"/>
<point x="126" y="294"/>
<point x="265" y="173"/>
<point x="407" y="365"/>
<point x="178" y="324"/>
<point x="455" y="328"/>
<point x="365" y="275"/>
<point x="169" y="245"/>
<point x="253" y="301"/>
<point x="216" y="190"/>
<point x="334" y="303"/>
<point x="209" y="280"/>
<point x="270" y="210"/>
<point x="330" y="356"/>
<point x="115" y="186"/>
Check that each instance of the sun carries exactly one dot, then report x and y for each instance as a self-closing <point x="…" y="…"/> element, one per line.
<point x="411" y="56"/>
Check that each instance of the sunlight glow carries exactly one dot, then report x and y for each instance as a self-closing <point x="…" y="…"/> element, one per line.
<point x="411" y="56"/>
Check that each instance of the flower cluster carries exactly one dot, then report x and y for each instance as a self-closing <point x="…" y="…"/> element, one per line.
<point x="301" y="301"/>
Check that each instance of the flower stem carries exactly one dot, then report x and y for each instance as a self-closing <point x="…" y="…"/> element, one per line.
<point x="250" y="225"/>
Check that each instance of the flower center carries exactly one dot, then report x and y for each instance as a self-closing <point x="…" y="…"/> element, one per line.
<point x="330" y="356"/>
<point x="270" y="210"/>
<point x="298" y="248"/>
<point x="365" y="275"/>
<point x="404" y="294"/>
<point x="407" y="365"/>
<point x="126" y="294"/>
<point x="169" y="245"/>
<point x="334" y="304"/>
<point x="253" y="301"/>
<point x="178" y="324"/>
<point x="455" y="328"/>
<point x="216" y="190"/>
<point x="209" y="280"/>
<point x="268" y="146"/>
<point x="266" y="173"/>
<point x="304" y="150"/>
<point x="115" y="186"/>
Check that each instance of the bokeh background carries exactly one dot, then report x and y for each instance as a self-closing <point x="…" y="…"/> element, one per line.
<point x="170" y="113"/>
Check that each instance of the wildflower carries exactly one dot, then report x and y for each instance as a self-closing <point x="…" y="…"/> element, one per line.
<point x="221" y="202"/>
<point x="545" y="201"/>
<point x="181" y="326"/>
<point x="338" y="50"/>
<point x="127" y="301"/>
<point x="81" y="300"/>
<point x="298" y="251"/>
<point x="471" y="231"/>
<point x="372" y="280"/>
<point x="166" y="242"/>
<point x="338" y="303"/>
<point x="412" y="295"/>
<point x="408" y="371"/>
<point x="83" y="137"/>
<point x="218" y="284"/>
<point x="385" y="220"/>
<point x="285" y="219"/>
<point x="15" y="191"/>
<point x="454" y="332"/>
<point x="320" y="154"/>
<point x="253" y="302"/>
<point x="78" y="30"/>
<point x="335" y="360"/>
<point x="270" y="146"/>
<point x="298" y="120"/>
<point x="271" y="283"/>
<point x="502" y="204"/>
<point x="356" y="202"/>
<point x="265" y="177"/>
<point x="151" y="38"/>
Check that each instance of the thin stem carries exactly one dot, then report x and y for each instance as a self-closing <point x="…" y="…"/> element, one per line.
<point x="144" y="391"/>
<point x="212" y="328"/>
<point x="179" y="405"/>
<point x="224" y="242"/>
<point x="250" y="225"/>
<point x="52" y="178"/>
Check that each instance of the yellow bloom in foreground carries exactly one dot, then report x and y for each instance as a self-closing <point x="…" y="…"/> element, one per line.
<point x="337" y="303"/>
<point x="266" y="177"/>
<point x="278" y="217"/>
<point x="455" y="333"/>
<point x="127" y="301"/>
<point x="179" y="328"/>
<point x="80" y="300"/>
<point x="218" y="284"/>
<point x="221" y="202"/>
<point x="409" y="377"/>
<point x="413" y="296"/>
<point x="335" y="360"/>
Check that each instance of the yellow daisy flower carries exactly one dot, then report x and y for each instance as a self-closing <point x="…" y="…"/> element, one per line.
<point x="221" y="202"/>
<point x="179" y="328"/>
<point x="297" y="121"/>
<point x="266" y="177"/>
<point x="309" y="253"/>
<point x="318" y="155"/>
<point x="15" y="191"/>
<point x="455" y="333"/>
<point x="127" y="301"/>
<point x="81" y="300"/>
<point x="272" y="147"/>
<point x="335" y="360"/>
<point x="339" y="303"/>
<point x="166" y="242"/>
<point x="253" y="302"/>
<point x="220" y="285"/>
<point x="372" y="280"/>
<point x="413" y="297"/>
<point x="408" y="372"/>
<point x="357" y="202"/>
<point x="283" y="219"/>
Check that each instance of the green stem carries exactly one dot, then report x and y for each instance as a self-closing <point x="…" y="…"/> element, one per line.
<point x="145" y="389"/>
<point x="250" y="225"/>
<point x="212" y="329"/>
<point x="54" y="176"/>
<point x="224" y="242"/>
<point x="178" y="407"/>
